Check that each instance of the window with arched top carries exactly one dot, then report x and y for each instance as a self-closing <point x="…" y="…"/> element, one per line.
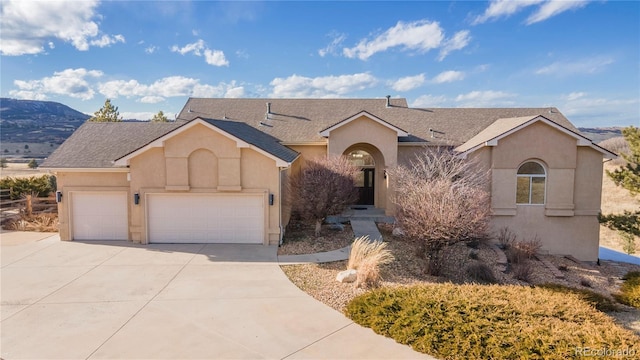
<point x="531" y="187"/>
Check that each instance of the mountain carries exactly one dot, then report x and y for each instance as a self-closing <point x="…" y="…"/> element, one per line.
<point x="32" y="121"/>
<point x="601" y="134"/>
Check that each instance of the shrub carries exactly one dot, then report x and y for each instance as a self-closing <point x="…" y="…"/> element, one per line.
<point x="630" y="290"/>
<point x="600" y="302"/>
<point x="522" y="270"/>
<point x="618" y="145"/>
<point x="442" y="199"/>
<point x="24" y="186"/>
<point x="488" y="321"/>
<point x="520" y="251"/>
<point x="39" y="222"/>
<point x="366" y="256"/>
<point x="628" y="242"/>
<point x="481" y="273"/>
<point x="505" y="237"/>
<point x="325" y="186"/>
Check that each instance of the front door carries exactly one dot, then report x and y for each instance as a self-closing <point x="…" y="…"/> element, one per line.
<point x="365" y="185"/>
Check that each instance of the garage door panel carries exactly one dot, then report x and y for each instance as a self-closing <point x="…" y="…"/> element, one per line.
<point x="99" y="216"/>
<point x="205" y="218"/>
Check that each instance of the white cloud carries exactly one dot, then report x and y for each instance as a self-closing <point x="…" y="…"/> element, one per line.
<point x="198" y="48"/>
<point x="448" y="76"/>
<point x="591" y="110"/>
<point x="28" y="25"/>
<point x="457" y="42"/>
<point x="587" y="66"/>
<point x="503" y="8"/>
<point x="151" y="49"/>
<point x="152" y="99"/>
<point x="70" y="82"/>
<point x="545" y="9"/>
<point x="107" y="40"/>
<point x="422" y="36"/>
<point x="242" y="54"/>
<point x="144" y="115"/>
<point x="332" y="48"/>
<point x="487" y="98"/>
<point x="408" y="83"/>
<point x="215" y="58"/>
<point x="426" y="101"/>
<point x="172" y="86"/>
<point x="321" y="87"/>
<point x="553" y="8"/>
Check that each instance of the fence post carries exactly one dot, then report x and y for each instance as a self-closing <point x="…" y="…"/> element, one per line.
<point x="29" y="208"/>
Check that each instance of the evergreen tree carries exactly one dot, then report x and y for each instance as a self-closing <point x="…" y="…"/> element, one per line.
<point x="107" y="113"/>
<point x="159" y="117"/>
<point x="3" y="163"/>
<point x="33" y="164"/>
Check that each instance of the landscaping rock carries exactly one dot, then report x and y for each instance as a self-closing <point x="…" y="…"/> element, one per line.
<point x="397" y="232"/>
<point x="336" y="227"/>
<point x="348" y="276"/>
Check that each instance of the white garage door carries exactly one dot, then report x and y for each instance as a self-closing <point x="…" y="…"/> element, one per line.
<point x="205" y="218"/>
<point x="99" y="215"/>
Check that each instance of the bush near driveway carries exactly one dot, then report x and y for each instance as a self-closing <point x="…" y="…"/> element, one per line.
<point x="489" y="322"/>
<point x="630" y="290"/>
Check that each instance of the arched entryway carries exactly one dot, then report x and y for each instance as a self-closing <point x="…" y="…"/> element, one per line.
<point x="371" y="182"/>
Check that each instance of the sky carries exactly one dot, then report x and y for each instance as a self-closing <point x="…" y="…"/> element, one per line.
<point x="582" y="57"/>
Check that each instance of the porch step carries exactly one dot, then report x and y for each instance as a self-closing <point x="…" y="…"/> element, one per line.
<point x="334" y="219"/>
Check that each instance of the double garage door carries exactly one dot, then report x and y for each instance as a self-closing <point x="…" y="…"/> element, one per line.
<point x="205" y="218"/>
<point x="171" y="218"/>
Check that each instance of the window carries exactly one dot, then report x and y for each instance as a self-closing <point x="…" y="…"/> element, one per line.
<point x="531" y="185"/>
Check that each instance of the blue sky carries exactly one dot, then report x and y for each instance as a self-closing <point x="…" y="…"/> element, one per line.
<point x="580" y="56"/>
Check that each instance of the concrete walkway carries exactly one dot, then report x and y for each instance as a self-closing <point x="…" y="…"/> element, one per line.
<point x="118" y="300"/>
<point x="360" y="227"/>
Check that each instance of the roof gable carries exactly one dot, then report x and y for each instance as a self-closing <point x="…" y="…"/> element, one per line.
<point x="502" y="128"/>
<point x="397" y="130"/>
<point x="243" y="135"/>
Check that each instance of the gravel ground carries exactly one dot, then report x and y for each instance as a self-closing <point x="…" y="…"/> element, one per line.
<point x="299" y="239"/>
<point x="318" y="280"/>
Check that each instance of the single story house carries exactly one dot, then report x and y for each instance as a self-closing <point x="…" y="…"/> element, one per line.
<point x="218" y="173"/>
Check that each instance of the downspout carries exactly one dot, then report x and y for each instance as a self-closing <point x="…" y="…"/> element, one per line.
<point x="280" y="207"/>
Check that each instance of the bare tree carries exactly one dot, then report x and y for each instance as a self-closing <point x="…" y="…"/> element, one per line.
<point x="441" y="199"/>
<point x="323" y="187"/>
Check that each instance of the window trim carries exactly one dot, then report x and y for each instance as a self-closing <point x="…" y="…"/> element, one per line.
<point x="530" y="177"/>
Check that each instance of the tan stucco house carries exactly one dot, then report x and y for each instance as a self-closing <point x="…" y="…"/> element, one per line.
<point x="218" y="173"/>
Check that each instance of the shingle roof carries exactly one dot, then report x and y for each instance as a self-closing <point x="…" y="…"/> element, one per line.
<point x="255" y="137"/>
<point x="301" y="120"/>
<point x="494" y="130"/>
<point x="97" y="145"/>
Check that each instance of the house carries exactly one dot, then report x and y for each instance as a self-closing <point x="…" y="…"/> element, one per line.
<point x="218" y="173"/>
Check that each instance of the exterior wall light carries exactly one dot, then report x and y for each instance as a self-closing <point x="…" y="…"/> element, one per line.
<point x="59" y="196"/>
<point x="136" y="198"/>
<point x="271" y="197"/>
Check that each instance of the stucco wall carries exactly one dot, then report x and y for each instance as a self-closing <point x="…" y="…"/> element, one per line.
<point x="567" y="222"/>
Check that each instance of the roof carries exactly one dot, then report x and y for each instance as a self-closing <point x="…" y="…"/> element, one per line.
<point x="98" y="144"/>
<point x="302" y="120"/>
<point x="504" y="127"/>
<point x="397" y="130"/>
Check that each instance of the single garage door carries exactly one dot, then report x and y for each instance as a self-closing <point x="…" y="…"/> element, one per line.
<point x="205" y="218"/>
<point x="99" y="215"/>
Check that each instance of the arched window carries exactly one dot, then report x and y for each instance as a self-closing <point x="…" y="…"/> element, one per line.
<point x="531" y="187"/>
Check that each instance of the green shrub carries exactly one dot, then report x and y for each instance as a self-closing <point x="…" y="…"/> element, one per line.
<point x="600" y="302"/>
<point x="489" y="321"/>
<point x="630" y="290"/>
<point x="24" y="186"/>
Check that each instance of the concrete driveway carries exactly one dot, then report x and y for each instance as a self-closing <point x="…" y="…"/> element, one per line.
<point x="117" y="300"/>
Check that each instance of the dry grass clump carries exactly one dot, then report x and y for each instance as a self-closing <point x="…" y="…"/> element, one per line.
<point x="481" y="273"/>
<point x="44" y="222"/>
<point x="489" y="322"/>
<point x="365" y="257"/>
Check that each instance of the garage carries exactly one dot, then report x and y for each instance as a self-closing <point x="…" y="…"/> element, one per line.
<point x="99" y="215"/>
<point x="205" y="218"/>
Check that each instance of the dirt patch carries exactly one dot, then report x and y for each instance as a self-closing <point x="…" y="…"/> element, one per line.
<point x="299" y="238"/>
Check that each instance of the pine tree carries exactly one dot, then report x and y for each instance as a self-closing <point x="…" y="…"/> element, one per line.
<point x="107" y="113"/>
<point x="159" y="117"/>
<point x="33" y="164"/>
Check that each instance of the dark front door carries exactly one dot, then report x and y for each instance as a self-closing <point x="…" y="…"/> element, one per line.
<point x="365" y="185"/>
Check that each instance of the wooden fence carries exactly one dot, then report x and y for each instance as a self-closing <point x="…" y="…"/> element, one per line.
<point x="26" y="205"/>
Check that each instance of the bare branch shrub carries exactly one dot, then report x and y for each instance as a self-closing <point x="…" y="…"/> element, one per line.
<point x="520" y="251"/>
<point x="441" y="199"/>
<point x="506" y="237"/>
<point x="522" y="270"/>
<point x="618" y="145"/>
<point x="325" y="186"/>
<point x="366" y="256"/>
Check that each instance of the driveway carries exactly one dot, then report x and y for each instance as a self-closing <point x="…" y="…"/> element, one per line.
<point x="117" y="300"/>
